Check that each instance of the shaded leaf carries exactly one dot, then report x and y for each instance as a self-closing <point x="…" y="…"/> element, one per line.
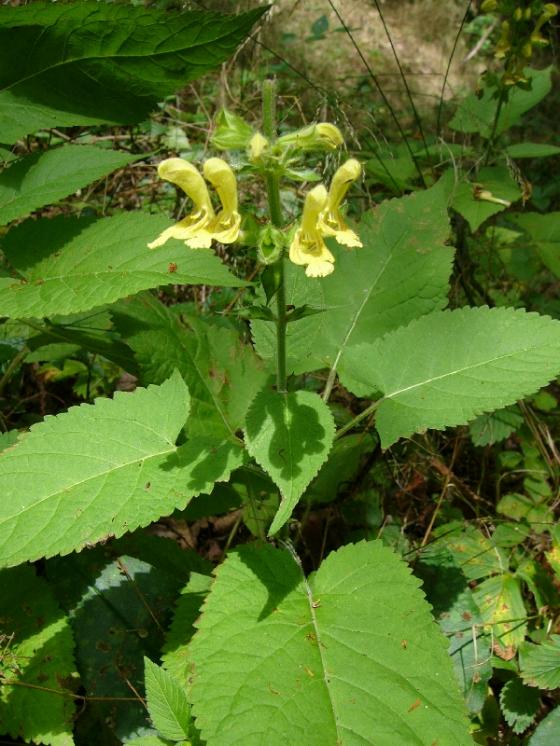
<point x="95" y="63"/>
<point x="502" y="609"/>
<point x="540" y="664"/>
<point x="290" y="436"/>
<point x="546" y="733"/>
<point x="36" y="649"/>
<point x="495" y="427"/>
<point x="519" y="703"/>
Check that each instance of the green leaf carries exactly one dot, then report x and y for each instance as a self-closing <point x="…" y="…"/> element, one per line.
<point x="176" y="649"/>
<point x="474" y="553"/>
<point x="495" y="427"/>
<point x="290" y="436"/>
<point x="37" y="650"/>
<point x="520" y="704"/>
<point x="222" y="373"/>
<point x="478" y="114"/>
<point x="531" y="150"/>
<point x="540" y="664"/>
<point x="496" y="180"/>
<point x="70" y="265"/>
<point x="458" y="615"/>
<point x="502" y="609"/>
<point x="47" y="176"/>
<point x="448" y="367"/>
<point x="547" y="732"/>
<point x="118" y="606"/>
<point x="543" y="231"/>
<point x="350" y="655"/>
<point x="167" y="702"/>
<point x="401" y="273"/>
<point x="341" y="469"/>
<point x="95" y="63"/>
<point x="8" y="439"/>
<point x="101" y="470"/>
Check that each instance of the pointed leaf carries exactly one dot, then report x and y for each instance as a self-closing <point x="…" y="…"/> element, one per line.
<point x="167" y="702"/>
<point x="37" y="650"/>
<point x="290" y="436"/>
<point x="349" y="656"/>
<point x="498" y="181"/>
<point x="47" y="176"/>
<point x="101" y="470"/>
<point x="95" y="62"/>
<point x="447" y="368"/>
<point x="70" y="265"/>
<point x="401" y="272"/>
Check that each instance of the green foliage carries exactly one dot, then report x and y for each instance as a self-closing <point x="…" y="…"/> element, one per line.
<point x="37" y="669"/>
<point x="401" y="272"/>
<point x="349" y="655"/>
<point x="478" y="114"/>
<point x="543" y="232"/>
<point x="117" y="468"/>
<point x="43" y="178"/>
<point x="97" y="63"/>
<point x="520" y="704"/>
<point x="167" y="702"/>
<point x="455" y="367"/>
<point x="474" y="200"/>
<point x="223" y="375"/>
<point x="290" y="436"/>
<point x="495" y="427"/>
<point x="540" y="664"/>
<point x="547" y="732"/>
<point x="68" y="265"/>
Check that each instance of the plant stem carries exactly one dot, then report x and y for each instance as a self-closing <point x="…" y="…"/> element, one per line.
<point x="275" y="210"/>
<point x="490" y="144"/>
<point x="357" y="419"/>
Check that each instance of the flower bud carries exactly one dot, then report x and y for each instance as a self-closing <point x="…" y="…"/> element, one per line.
<point x="257" y="145"/>
<point x="322" y="136"/>
<point x="232" y="132"/>
<point x="488" y="6"/>
<point x="518" y="14"/>
<point x="271" y="244"/>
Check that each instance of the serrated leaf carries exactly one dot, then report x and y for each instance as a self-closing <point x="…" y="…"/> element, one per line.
<point x="45" y="177"/>
<point x="540" y="664"/>
<point x="70" y="265"/>
<point x="175" y="656"/>
<point x="118" y="606"/>
<point x="448" y="367"/>
<point x="221" y="372"/>
<point x="478" y="114"/>
<point x="546" y="733"/>
<point x="495" y="427"/>
<point x="101" y="470"/>
<point x="520" y="704"/>
<point x="543" y="232"/>
<point x="290" y="436"/>
<point x="36" y="650"/>
<point x="401" y="272"/>
<point x="350" y="655"/>
<point x="502" y="609"/>
<point x="495" y="179"/>
<point x="167" y="702"/>
<point x="98" y="63"/>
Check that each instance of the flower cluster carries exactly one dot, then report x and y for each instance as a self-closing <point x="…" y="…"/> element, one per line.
<point x="321" y="218"/>
<point x="202" y="225"/>
<point x="520" y="33"/>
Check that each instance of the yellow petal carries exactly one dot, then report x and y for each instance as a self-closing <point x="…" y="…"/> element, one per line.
<point x="193" y="228"/>
<point x="319" y="268"/>
<point x="331" y="222"/>
<point x="188" y="177"/>
<point x="257" y="146"/>
<point x="315" y="203"/>
<point x="222" y="178"/>
<point x="330" y="135"/>
<point x="308" y="246"/>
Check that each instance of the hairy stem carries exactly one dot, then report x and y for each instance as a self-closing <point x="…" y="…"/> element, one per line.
<point x="275" y="210"/>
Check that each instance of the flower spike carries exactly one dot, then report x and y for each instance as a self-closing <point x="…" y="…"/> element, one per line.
<point x="308" y="247"/>
<point x="193" y="229"/>
<point x="226" y="225"/>
<point x="331" y="222"/>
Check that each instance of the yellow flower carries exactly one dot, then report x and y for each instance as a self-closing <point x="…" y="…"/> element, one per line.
<point x="227" y="223"/>
<point x="331" y="222"/>
<point x="322" y="136"/>
<point x="257" y="145"/>
<point x="193" y="229"/>
<point x="308" y="247"/>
